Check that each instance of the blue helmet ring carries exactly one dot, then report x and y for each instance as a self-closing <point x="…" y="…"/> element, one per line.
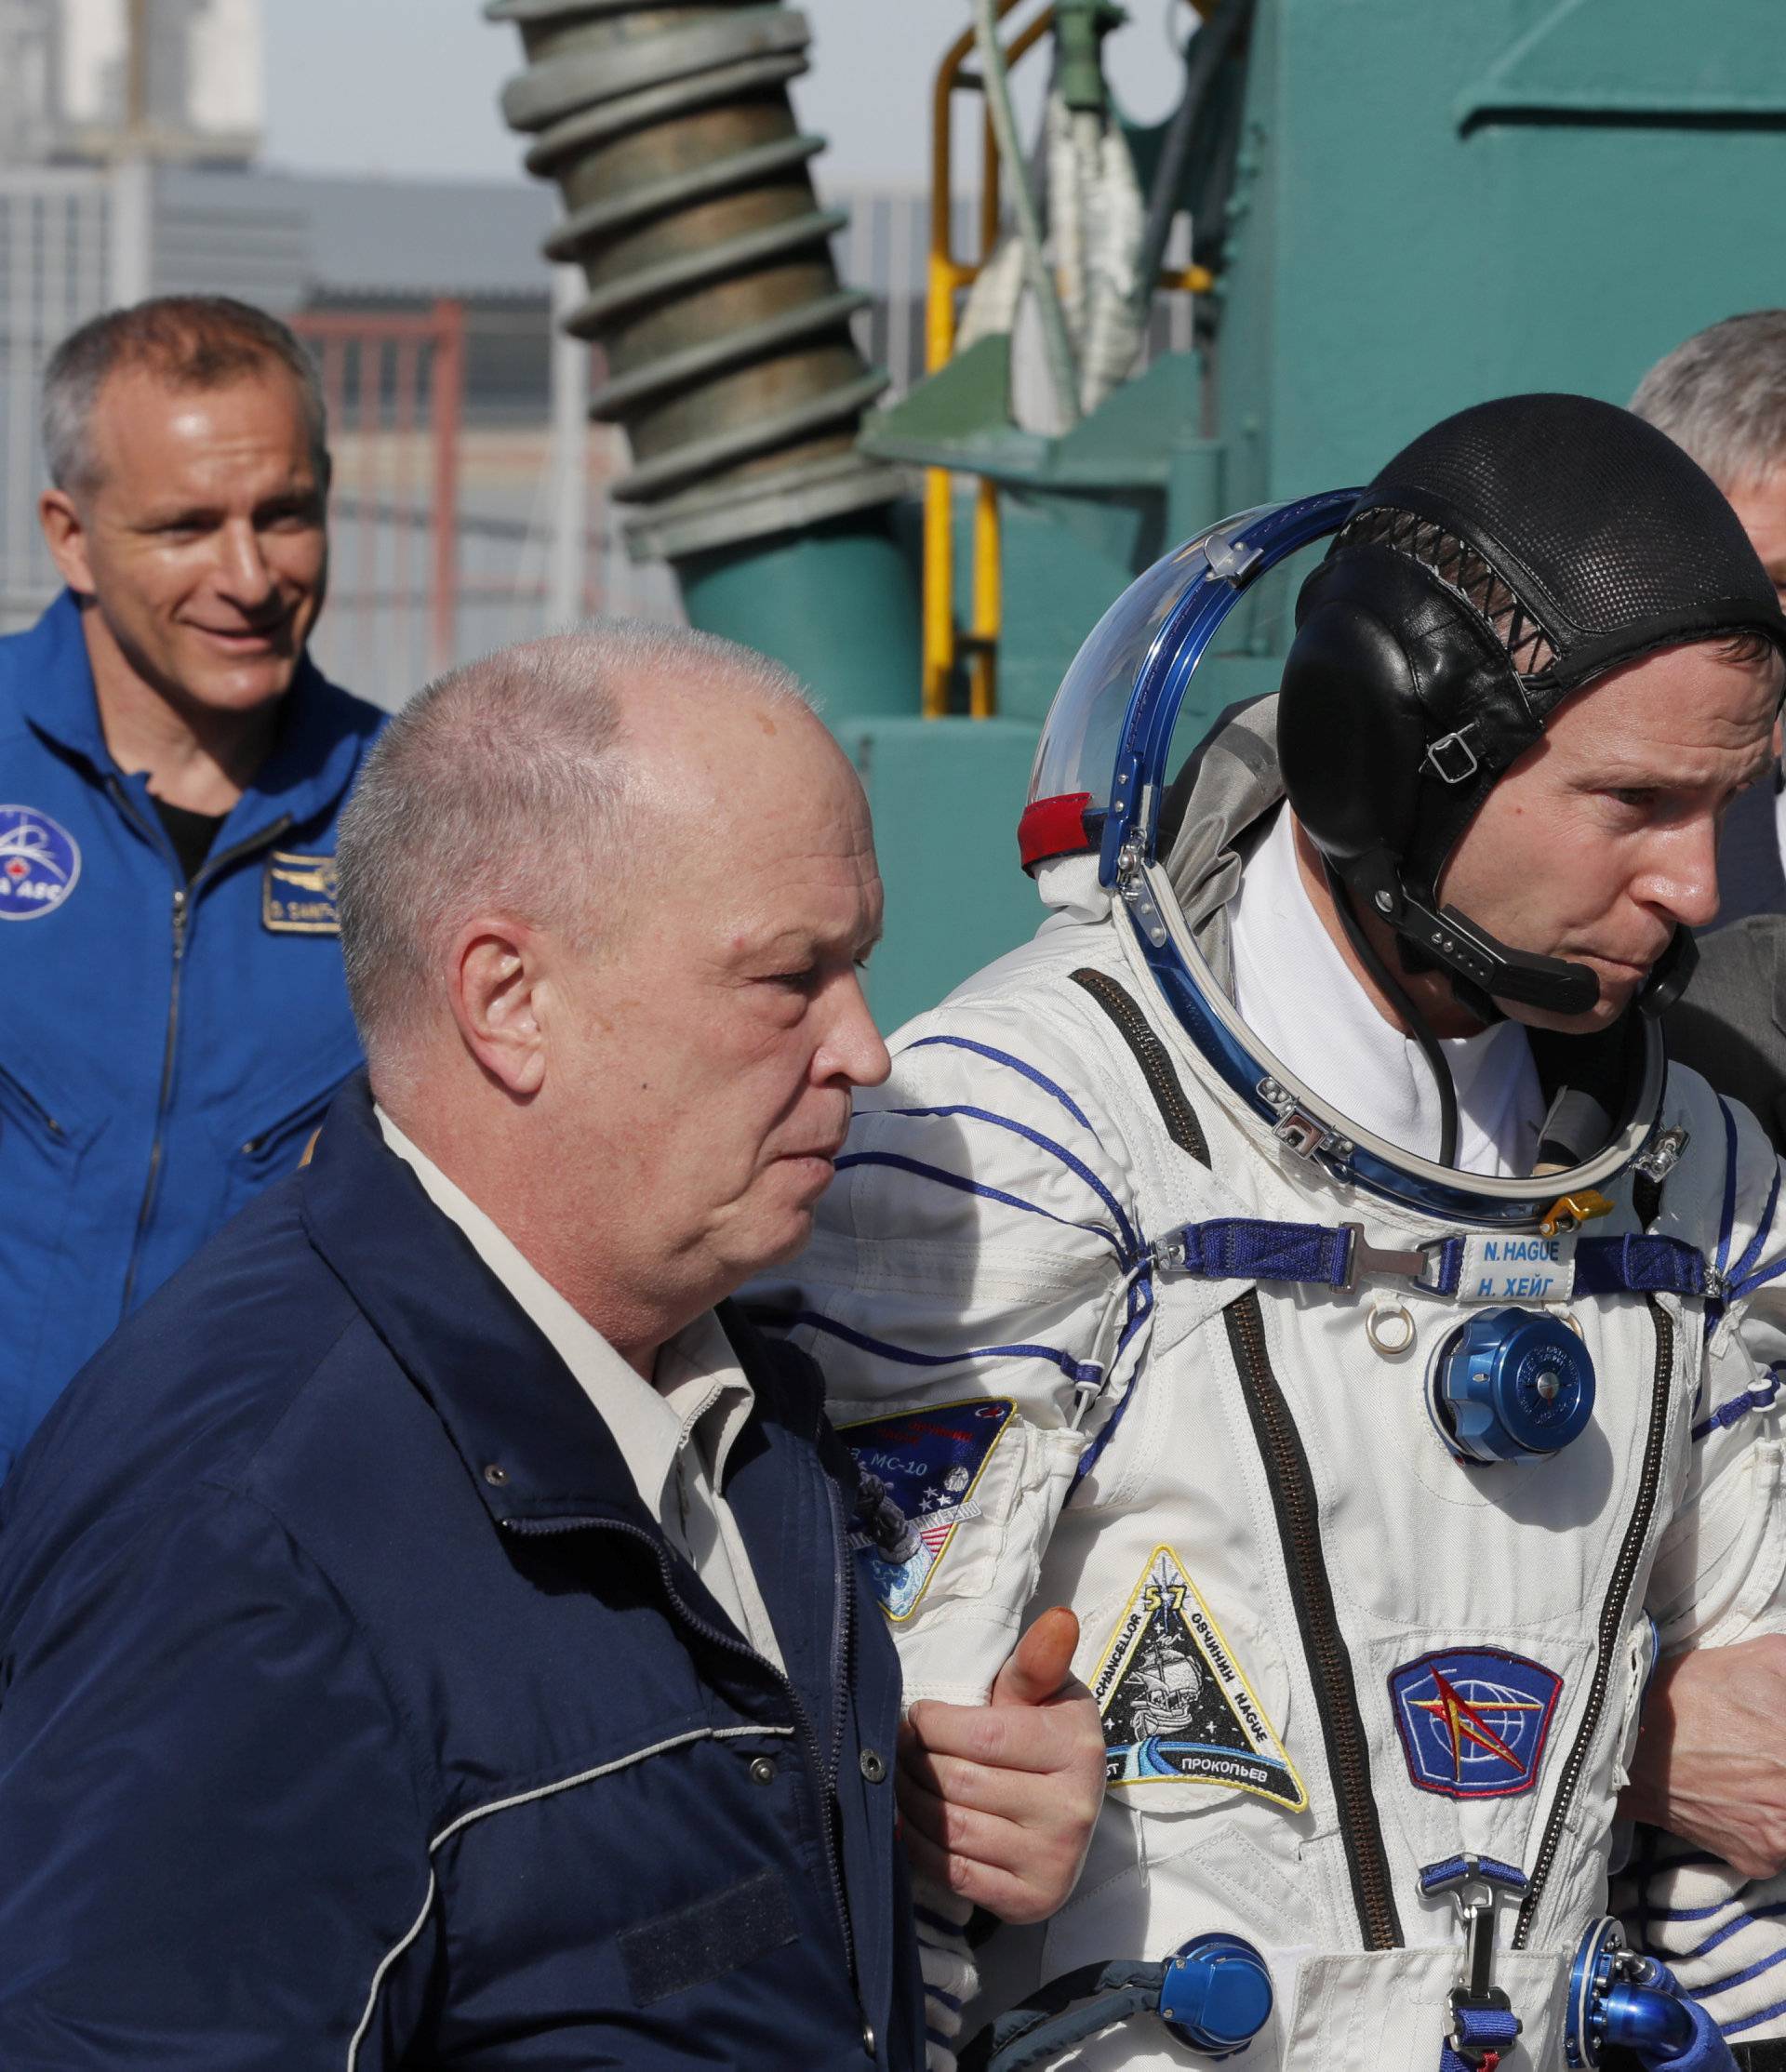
<point x="1100" y="777"/>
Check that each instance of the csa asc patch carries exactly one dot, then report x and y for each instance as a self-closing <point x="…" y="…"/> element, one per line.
<point x="40" y="863"/>
<point x="1473" y="1721"/>
<point x="298" y="895"/>
<point x="1175" y="1702"/>
<point x="931" y="1461"/>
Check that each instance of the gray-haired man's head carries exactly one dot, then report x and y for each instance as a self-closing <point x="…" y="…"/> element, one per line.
<point x="603" y="899"/>
<point x="1722" y="395"/>
<point x="513" y="783"/>
<point x="190" y="343"/>
<point x="187" y="505"/>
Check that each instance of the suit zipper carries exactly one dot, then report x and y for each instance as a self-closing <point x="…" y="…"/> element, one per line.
<point x="184" y="896"/>
<point x="1612" y="1618"/>
<point x="825" y="1771"/>
<point x="1151" y="1056"/>
<point x="1336" y="1695"/>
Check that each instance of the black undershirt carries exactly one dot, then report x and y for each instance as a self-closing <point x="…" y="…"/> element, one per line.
<point x="191" y="833"/>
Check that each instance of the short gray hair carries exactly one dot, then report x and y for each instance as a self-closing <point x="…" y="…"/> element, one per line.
<point x="1722" y="395"/>
<point x="188" y="341"/>
<point x="507" y="785"/>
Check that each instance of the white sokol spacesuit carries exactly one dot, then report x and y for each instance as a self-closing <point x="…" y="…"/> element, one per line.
<point x="1125" y="1317"/>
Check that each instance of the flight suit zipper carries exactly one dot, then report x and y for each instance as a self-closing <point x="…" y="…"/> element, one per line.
<point x="1323" y="1647"/>
<point x="1611" y="1628"/>
<point x="184" y="897"/>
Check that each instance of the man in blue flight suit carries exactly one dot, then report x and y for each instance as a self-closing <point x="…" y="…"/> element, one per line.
<point x="174" y="765"/>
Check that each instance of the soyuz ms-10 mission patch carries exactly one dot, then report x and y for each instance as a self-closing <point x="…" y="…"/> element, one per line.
<point x="1175" y="1703"/>
<point x="931" y="1461"/>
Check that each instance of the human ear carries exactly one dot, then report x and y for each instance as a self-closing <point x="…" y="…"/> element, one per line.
<point x="64" y="531"/>
<point x="494" y="987"/>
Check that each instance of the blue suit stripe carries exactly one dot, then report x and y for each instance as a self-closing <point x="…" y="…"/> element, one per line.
<point x="1017" y="1065"/>
<point x="943" y="1177"/>
<point x="1077" y="1167"/>
<point x="1076" y="1371"/>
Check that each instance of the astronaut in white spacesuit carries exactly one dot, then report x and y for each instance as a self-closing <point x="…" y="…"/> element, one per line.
<point x="1299" y="1260"/>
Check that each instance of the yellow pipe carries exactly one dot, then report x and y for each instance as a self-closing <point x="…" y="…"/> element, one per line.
<point x="982" y="677"/>
<point x="947" y="276"/>
<point x="939" y="592"/>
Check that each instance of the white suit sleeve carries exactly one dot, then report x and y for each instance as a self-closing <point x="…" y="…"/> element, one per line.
<point x="1718" y="1576"/>
<point x="974" y="1294"/>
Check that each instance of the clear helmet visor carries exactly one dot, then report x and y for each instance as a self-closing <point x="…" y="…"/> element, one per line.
<point x="1110" y="728"/>
<point x="1101" y="770"/>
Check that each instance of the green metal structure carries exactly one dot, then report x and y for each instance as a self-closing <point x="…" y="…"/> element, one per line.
<point x="1410" y="205"/>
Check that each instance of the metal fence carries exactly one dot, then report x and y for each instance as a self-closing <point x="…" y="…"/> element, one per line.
<point x="444" y="533"/>
<point x="449" y="537"/>
<point x="55" y="271"/>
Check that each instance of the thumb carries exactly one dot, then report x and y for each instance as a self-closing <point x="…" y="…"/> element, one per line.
<point x="1041" y="1662"/>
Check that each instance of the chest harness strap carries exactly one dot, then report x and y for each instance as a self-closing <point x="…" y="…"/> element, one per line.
<point x="1319" y="1255"/>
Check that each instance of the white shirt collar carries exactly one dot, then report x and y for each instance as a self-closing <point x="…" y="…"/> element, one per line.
<point x="649" y="1425"/>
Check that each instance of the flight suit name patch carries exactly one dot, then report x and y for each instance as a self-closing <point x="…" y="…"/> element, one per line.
<point x="298" y="895"/>
<point x="1517" y="1269"/>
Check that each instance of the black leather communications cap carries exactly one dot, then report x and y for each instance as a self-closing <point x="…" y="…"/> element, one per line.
<point x="1504" y="559"/>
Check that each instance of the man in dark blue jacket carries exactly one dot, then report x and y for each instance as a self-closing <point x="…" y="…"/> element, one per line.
<point x="171" y="769"/>
<point x="431" y="1631"/>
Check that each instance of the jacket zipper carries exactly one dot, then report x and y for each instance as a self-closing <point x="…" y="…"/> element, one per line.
<point x="826" y="1771"/>
<point x="182" y="907"/>
<point x="845" y="1639"/>
<point x="1612" y="1618"/>
<point x="1298" y="1524"/>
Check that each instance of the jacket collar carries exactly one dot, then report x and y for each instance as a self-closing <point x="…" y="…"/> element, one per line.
<point x="315" y="753"/>
<point x="535" y="1448"/>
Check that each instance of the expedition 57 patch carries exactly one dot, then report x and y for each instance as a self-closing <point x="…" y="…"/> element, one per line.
<point x="1175" y="1702"/>
<point x="931" y="1461"/>
<point x="298" y="895"/>
<point x="1473" y="1721"/>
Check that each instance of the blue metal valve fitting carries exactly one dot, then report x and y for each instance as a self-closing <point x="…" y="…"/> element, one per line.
<point x="1510" y="1384"/>
<point x="1216" y="1995"/>
<point x="1619" y="1998"/>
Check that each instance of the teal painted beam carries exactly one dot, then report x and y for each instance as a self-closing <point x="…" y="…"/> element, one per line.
<point x="946" y="796"/>
<point x="838" y="604"/>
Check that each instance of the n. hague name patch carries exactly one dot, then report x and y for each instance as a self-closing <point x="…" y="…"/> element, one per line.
<point x="1473" y="1721"/>
<point x="298" y="895"/>
<point x="1176" y="1704"/>
<point x="931" y="1461"/>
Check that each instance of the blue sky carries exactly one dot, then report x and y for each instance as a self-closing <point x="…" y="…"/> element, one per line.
<point x="409" y="86"/>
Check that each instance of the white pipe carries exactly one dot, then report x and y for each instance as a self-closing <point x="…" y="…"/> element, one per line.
<point x="1056" y="348"/>
<point x="131" y="274"/>
<point x="567" y="561"/>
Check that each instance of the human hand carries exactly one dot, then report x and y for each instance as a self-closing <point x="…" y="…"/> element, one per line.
<point x="1000" y="1799"/>
<point x="1711" y="1764"/>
